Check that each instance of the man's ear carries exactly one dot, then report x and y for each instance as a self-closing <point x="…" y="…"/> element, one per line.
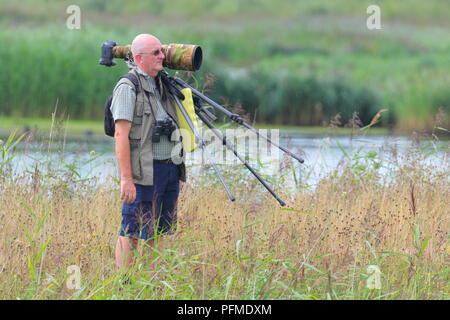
<point x="137" y="58"/>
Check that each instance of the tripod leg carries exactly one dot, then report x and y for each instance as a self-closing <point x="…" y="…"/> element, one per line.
<point x="231" y="148"/>
<point x="203" y="146"/>
<point x="233" y="117"/>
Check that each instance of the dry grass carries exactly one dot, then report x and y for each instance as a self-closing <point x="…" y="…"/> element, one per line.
<point x="248" y="249"/>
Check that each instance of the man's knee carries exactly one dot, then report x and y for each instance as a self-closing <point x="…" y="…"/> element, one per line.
<point x="126" y="242"/>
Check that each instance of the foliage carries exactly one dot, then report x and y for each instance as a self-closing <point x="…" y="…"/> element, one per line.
<point x="275" y="59"/>
<point x="388" y="212"/>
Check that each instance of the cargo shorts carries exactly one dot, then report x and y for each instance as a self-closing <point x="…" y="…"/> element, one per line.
<point x="153" y="212"/>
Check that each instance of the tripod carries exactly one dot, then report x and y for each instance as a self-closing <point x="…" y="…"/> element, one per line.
<point x="174" y="85"/>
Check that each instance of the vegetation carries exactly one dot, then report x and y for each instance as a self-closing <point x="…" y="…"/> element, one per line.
<point x="370" y="211"/>
<point x="284" y="63"/>
<point x="288" y="62"/>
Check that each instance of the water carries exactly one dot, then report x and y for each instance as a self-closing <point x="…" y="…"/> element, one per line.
<point x="322" y="153"/>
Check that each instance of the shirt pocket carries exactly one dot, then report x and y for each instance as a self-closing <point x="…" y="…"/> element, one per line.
<point x="139" y="105"/>
<point x="136" y="126"/>
<point x="135" y="159"/>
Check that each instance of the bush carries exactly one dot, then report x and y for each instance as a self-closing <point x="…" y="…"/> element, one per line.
<point x="295" y="100"/>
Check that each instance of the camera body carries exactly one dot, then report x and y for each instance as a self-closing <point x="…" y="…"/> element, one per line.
<point x="162" y="127"/>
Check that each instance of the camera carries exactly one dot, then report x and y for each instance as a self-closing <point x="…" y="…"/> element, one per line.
<point x="162" y="127"/>
<point x="177" y="56"/>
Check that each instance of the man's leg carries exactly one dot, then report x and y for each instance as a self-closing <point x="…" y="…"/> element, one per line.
<point x="161" y="206"/>
<point x="124" y="252"/>
<point x="169" y="199"/>
<point x="151" y="232"/>
<point x="148" y="229"/>
<point x="130" y="231"/>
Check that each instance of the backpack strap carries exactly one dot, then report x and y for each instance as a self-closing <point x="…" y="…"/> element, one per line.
<point x="134" y="79"/>
<point x="130" y="76"/>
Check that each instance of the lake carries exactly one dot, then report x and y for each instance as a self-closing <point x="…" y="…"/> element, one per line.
<point x="93" y="157"/>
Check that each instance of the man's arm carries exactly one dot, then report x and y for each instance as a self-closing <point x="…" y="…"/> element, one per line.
<point x="127" y="187"/>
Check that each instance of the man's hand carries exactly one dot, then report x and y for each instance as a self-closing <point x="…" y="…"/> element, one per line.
<point x="127" y="191"/>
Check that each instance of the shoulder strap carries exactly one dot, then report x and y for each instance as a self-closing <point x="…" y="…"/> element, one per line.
<point x="133" y="79"/>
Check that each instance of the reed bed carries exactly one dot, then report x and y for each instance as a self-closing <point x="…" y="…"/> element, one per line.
<point x="322" y="245"/>
<point x="290" y="63"/>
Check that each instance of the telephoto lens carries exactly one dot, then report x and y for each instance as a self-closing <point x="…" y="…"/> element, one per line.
<point x="177" y="56"/>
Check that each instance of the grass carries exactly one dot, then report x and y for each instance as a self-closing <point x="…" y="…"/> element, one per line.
<point x="319" y="247"/>
<point x="79" y="127"/>
<point x="307" y="60"/>
<point x="43" y="125"/>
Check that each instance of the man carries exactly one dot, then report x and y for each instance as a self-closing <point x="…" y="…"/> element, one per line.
<point x="149" y="180"/>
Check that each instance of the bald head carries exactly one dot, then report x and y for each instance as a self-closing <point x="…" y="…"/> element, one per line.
<point x="147" y="54"/>
<point x="143" y="42"/>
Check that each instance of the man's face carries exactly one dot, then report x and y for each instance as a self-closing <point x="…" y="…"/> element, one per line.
<point x="150" y="60"/>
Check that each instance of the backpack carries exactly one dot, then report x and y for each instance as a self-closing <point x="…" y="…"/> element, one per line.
<point x="109" y="124"/>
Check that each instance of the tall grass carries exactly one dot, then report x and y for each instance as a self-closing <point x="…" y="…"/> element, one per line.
<point x="418" y="11"/>
<point x="307" y="59"/>
<point x="44" y="68"/>
<point x="319" y="247"/>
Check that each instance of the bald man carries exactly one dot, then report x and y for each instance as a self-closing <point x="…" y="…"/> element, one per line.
<point x="149" y="179"/>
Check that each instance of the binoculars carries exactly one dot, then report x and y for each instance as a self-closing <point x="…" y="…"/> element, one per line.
<point x="162" y="127"/>
<point x="187" y="57"/>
